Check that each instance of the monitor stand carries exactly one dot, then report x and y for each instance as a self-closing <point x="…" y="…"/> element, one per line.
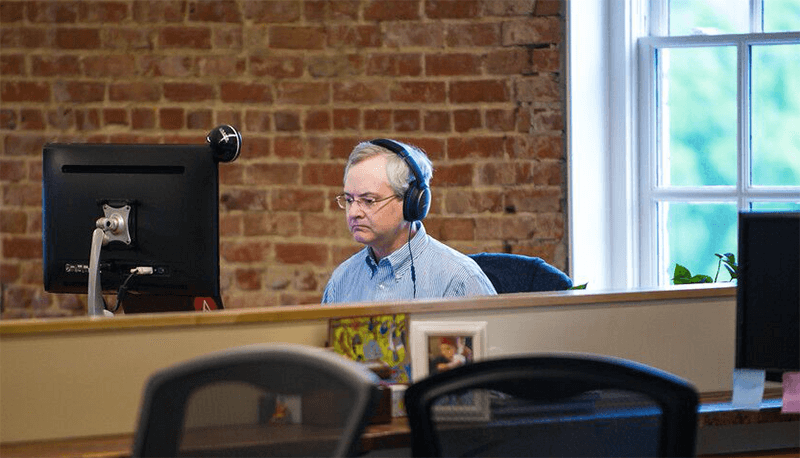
<point x="112" y="227"/>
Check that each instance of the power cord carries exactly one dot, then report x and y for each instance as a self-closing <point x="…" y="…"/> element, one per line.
<point x="123" y="289"/>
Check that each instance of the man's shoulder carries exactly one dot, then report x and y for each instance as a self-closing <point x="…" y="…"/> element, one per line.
<point x="449" y="257"/>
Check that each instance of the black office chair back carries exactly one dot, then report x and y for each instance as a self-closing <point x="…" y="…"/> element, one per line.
<point x="257" y="400"/>
<point x="516" y="273"/>
<point x="552" y="405"/>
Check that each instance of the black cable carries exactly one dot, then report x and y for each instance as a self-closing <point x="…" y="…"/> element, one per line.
<point x="123" y="289"/>
<point x="410" y="253"/>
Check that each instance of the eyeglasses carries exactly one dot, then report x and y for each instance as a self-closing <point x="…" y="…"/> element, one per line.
<point x="366" y="203"/>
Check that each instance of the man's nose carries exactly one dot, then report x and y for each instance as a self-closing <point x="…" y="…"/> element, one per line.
<point x="354" y="210"/>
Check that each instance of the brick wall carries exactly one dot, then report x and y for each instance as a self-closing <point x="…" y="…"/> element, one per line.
<point x="477" y="83"/>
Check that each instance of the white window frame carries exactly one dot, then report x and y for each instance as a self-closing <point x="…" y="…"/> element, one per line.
<point x="612" y="185"/>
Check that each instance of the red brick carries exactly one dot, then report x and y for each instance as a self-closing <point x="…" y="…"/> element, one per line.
<point x="12" y="64"/>
<point x="231" y="174"/>
<point x="546" y="60"/>
<point x="22" y="247"/>
<point x="185" y="37"/>
<point x="8" y="119"/>
<point x="175" y="66"/>
<point x="479" y="91"/>
<point x="510" y="7"/>
<point x="317" y="120"/>
<point x="55" y="66"/>
<point x="461" y="147"/>
<point x="230" y="37"/>
<point x="61" y="118"/>
<point x="501" y="120"/>
<point x="342" y="146"/>
<point x="436" y="121"/>
<point x="377" y="119"/>
<point x="322" y="173"/>
<point x="452" y="64"/>
<point x="452" y="9"/>
<point x="87" y="120"/>
<point x="542" y="88"/>
<point x="301" y="253"/>
<point x="535" y="30"/>
<point x="290" y="147"/>
<point x="158" y="11"/>
<point x="473" y="35"/>
<point x="509" y="61"/>
<point x="394" y="65"/>
<point x="49" y="12"/>
<point x="535" y="200"/>
<point x="77" y="38"/>
<point x="134" y="92"/>
<point x="23" y="37"/>
<point x="324" y="226"/>
<point x="12" y="170"/>
<point x="188" y="92"/>
<point x="231" y="117"/>
<point x="11" y="12"/>
<point x="199" y="119"/>
<point x="285" y="37"/>
<point x="127" y="38"/>
<point x="248" y="279"/>
<point x="466" y="120"/>
<point x="405" y="120"/>
<point x="296" y="199"/>
<point x="31" y="119"/>
<point x="537" y="147"/>
<point x="244" y="252"/>
<point x="243" y="199"/>
<point x="24" y="91"/>
<point x="79" y="91"/>
<point x="103" y="12"/>
<point x="273" y="174"/>
<point x="215" y="11"/>
<point x="361" y="92"/>
<point x="171" y="118"/>
<point x="419" y="92"/>
<point x="23" y="195"/>
<point x="302" y="93"/>
<point x="143" y="118"/>
<point x="109" y="66"/>
<point x="544" y="120"/>
<point x="549" y="173"/>
<point x="257" y="121"/>
<point x="547" y="8"/>
<point x="221" y="66"/>
<point x="9" y="273"/>
<point x="287" y="121"/>
<point x="467" y="201"/>
<point x="277" y="66"/>
<point x="272" y="11"/>
<point x="346" y="119"/>
<point x="235" y="92"/>
<point x="392" y="10"/>
<point x="429" y="35"/>
<point x="453" y="175"/>
<point x="359" y="36"/>
<point x="451" y="228"/>
<point x="115" y="116"/>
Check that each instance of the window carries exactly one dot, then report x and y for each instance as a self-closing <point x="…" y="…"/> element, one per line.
<point x="719" y="126"/>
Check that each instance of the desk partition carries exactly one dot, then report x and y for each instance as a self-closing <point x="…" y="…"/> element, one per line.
<point x="82" y="377"/>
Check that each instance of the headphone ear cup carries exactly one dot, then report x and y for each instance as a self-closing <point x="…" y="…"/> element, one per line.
<point x="416" y="202"/>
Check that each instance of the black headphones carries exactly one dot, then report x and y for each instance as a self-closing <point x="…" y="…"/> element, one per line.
<point x="417" y="199"/>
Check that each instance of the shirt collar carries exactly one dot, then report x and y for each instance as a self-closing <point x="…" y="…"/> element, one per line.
<point x="400" y="260"/>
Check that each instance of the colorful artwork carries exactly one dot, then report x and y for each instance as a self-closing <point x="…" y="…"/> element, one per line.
<point x="382" y="338"/>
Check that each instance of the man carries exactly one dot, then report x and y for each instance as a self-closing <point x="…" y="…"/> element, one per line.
<point x="385" y="197"/>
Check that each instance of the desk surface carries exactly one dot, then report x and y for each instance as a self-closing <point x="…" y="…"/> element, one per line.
<point x="715" y="410"/>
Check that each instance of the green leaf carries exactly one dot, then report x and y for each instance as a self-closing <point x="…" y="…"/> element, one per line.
<point x="680" y="275"/>
<point x="583" y="286"/>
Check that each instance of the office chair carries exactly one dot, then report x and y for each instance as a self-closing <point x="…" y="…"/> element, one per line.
<point x="516" y="273"/>
<point x="552" y="405"/>
<point x="257" y="400"/>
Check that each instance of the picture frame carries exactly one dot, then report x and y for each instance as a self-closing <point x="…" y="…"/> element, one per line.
<point x="441" y="345"/>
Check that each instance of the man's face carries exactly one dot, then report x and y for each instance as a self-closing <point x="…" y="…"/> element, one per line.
<point x="447" y="350"/>
<point x="381" y="227"/>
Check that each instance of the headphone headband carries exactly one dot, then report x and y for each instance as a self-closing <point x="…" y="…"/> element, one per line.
<point x="417" y="199"/>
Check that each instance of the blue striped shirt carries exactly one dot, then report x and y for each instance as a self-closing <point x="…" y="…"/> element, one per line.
<point x="440" y="271"/>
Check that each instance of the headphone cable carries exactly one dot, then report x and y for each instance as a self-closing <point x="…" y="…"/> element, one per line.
<point x="411" y="254"/>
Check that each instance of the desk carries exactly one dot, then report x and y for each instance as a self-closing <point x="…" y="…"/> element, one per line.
<point x="715" y="410"/>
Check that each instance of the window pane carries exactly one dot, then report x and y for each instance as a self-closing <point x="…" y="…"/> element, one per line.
<point x="694" y="233"/>
<point x="776" y="206"/>
<point x="781" y="15"/>
<point x="708" y="17"/>
<point x="698" y="97"/>
<point x="776" y="115"/>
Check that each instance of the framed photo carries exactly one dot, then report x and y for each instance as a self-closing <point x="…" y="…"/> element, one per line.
<point x="442" y="345"/>
<point x="381" y="339"/>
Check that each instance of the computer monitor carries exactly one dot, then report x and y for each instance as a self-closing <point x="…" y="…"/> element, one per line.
<point x="156" y="208"/>
<point x="768" y="293"/>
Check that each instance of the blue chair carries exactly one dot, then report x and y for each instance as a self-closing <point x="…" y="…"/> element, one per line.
<point x="515" y="273"/>
<point x="552" y="405"/>
<point x="257" y="400"/>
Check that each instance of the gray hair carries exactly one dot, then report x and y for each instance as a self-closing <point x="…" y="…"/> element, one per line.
<point x="398" y="174"/>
